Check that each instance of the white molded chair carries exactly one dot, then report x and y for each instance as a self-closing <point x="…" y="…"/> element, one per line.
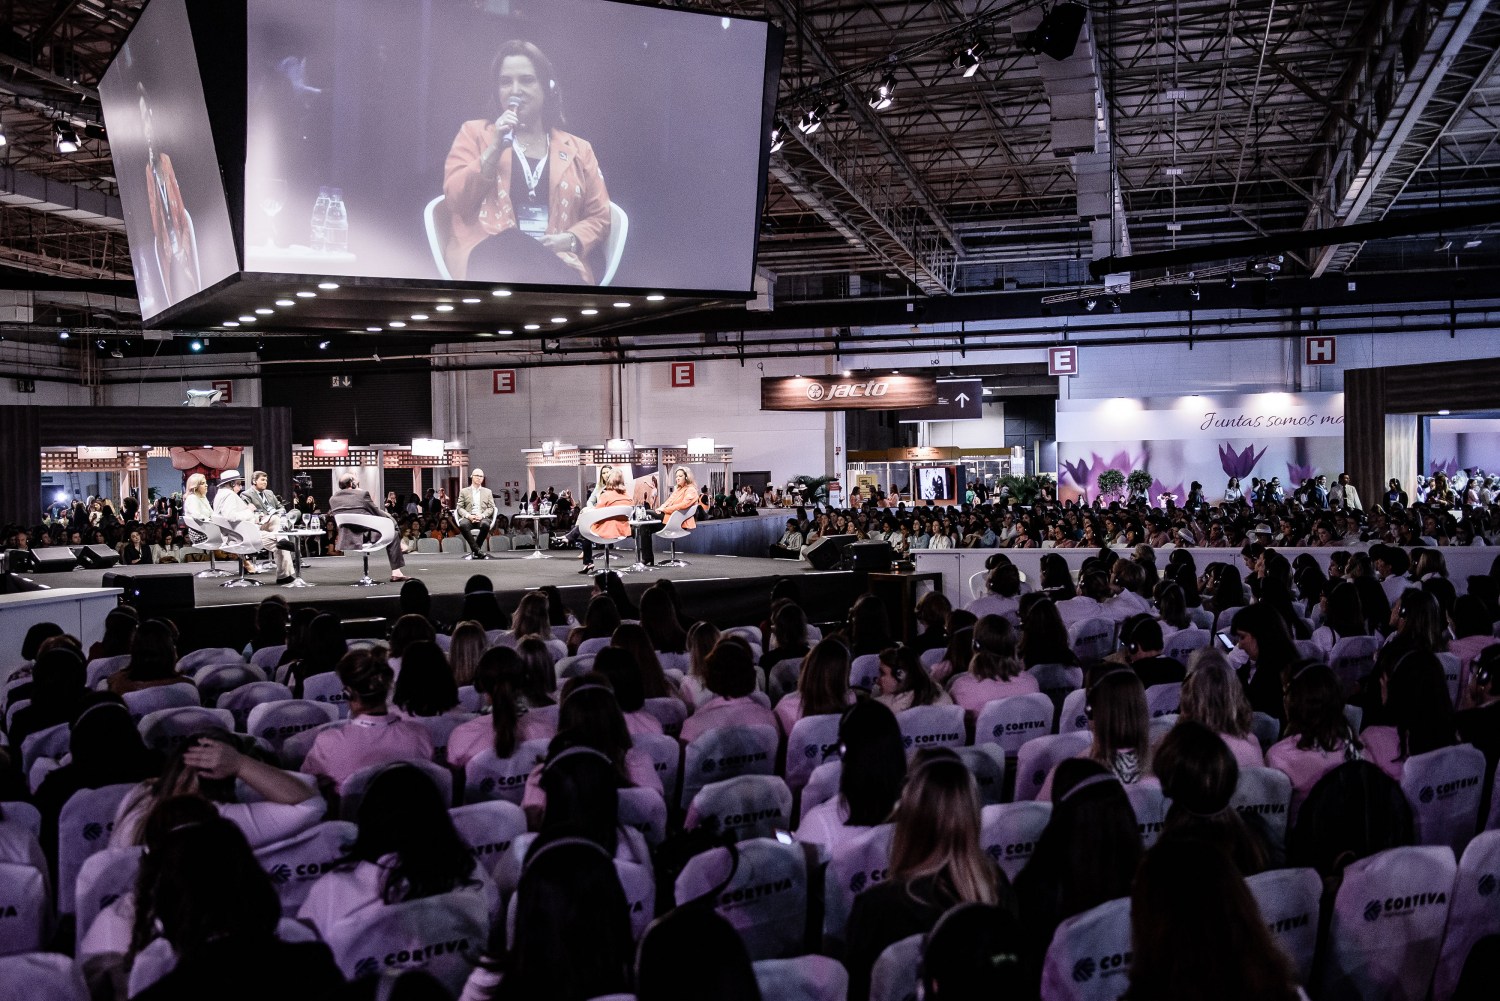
<point x="1038" y="756"/>
<point x="666" y="757"/>
<point x="1089" y="958"/>
<point x="192" y="663"/>
<point x="746" y="806"/>
<point x="352" y="791"/>
<point x="295" y="864"/>
<point x="614" y="245"/>
<point x="241" y="700"/>
<point x="765" y="899"/>
<point x="242" y="538"/>
<point x="725" y="752"/>
<point x="437" y="222"/>
<point x="1009" y="832"/>
<point x="1267" y="793"/>
<point x="488" y="828"/>
<point x="805" y="978"/>
<point x="83" y="828"/>
<point x="204" y="535"/>
<point x="813" y="740"/>
<point x="275" y="722"/>
<point x="443" y="935"/>
<point x="165" y="729"/>
<point x="145" y="701"/>
<point x="894" y="975"/>
<point x="672" y="531"/>
<point x="385" y="531"/>
<point x="1444" y="788"/>
<point x="932" y="726"/>
<point x="29" y="976"/>
<point x="1012" y="721"/>
<point x="26" y="909"/>
<point x="103" y="878"/>
<point x="589" y="517"/>
<point x="1289" y="901"/>
<point x="856" y="864"/>
<point x="1473" y="913"/>
<point x="487" y="776"/>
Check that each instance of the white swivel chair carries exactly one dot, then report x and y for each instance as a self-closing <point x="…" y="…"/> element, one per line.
<point x="488" y="523"/>
<point x="437" y="220"/>
<point x="614" y="246"/>
<point x="672" y="531"/>
<point x="205" y="535"/>
<point x="242" y="538"/>
<point x="385" y="529"/>
<point x="591" y="516"/>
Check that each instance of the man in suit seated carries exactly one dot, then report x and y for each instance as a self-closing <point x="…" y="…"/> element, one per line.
<point x="350" y="499"/>
<point x="476" y="506"/>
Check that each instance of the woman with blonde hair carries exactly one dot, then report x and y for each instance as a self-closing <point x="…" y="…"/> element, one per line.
<point x="700" y="642"/>
<point x="533" y="617"/>
<point x="465" y="647"/>
<point x="195" y="503"/>
<point x="936" y="863"/>
<point x="684" y="497"/>
<point x="1212" y="695"/>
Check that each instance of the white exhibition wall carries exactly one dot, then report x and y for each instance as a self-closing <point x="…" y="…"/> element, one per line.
<point x="1455" y="443"/>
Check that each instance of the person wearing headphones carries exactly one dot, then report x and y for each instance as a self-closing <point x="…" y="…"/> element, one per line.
<point x="1480" y="723"/>
<point x="1140" y="636"/>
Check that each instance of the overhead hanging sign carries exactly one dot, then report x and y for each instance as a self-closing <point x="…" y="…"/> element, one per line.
<point x="848" y="392"/>
<point x="330" y="448"/>
<point x="957" y="400"/>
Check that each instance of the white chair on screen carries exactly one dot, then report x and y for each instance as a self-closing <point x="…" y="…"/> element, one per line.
<point x="1266" y="793"/>
<point x="1387" y="927"/>
<point x="82" y="829"/>
<point x="932" y="726"/>
<point x="443" y="935"/>
<point x="744" y="807"/>
<point x="26" y="908"/>
<point x="295" y="864"/>
<point x="488" y="776"/>
<point x="772" y="917"/>
<point x="1089" y="958"/>
<point x="894" y="975"/>
<point x="32" y="975"/>
<point x="1473" y="913"/>
<point x="856" y="864"/>
<point x="725" y="752"/>
<point x="805" y="978"/>
<point x="813" y="740"/>
<point x="1008" y="832"/>
<point x="1444" y="788"/>
<point x="666" y="757"/>
<point x="1289" y="901"/>
<point x="1014" y="720"/>
<point x="103" y="878"/>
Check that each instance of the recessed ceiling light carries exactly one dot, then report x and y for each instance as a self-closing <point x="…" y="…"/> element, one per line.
<point x="419" y="316"/>
<point x="470" y="302"/>
<point x="373" y="330"/>
<point x="484" y="333"/>
<point x="328" y="286"/>
<point x="247" y="319"/>
<point x="505" y="333"/>
<point x="590" y="312"/>
<point x="559" y="319"/>
<point x="622" y="305"/>
<point x="655" y="297"/>
<point x="286" y="302"/>
<point x="230" y="323"/>
<point x="501" y="292"/>
<point x="398" y="324"/>
<point x="533" y="326"/>
<point x="307" y="295"/>
<point x="445" y="308"/>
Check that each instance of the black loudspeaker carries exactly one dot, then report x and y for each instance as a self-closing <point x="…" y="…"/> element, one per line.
<point x="48" y="559"/>
<point x="97" y="557"/>
<point x="153" y="592"/>
<point x="827" y="552"/>
<point x="873" y="556"/>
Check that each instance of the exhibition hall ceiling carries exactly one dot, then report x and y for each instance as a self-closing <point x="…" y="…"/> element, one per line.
<point x="1165" y="126"/>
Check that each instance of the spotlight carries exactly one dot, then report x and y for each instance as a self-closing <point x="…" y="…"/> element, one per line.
<point x="1057" y="35"/>
<point x="655" y="297"/>
<point x="883" y="96"/>
<point x="66" y="137"/>
<point x="63" y="335"/>
<point x="968" y="59"/>
<point x="195" y="346"/>
<point x="323" y="345"/>
<point x="445" y="308"/>
<point x="263" y="311"/>
<point x="778" y="138"/>
<point x="3" y="140"/>
<point x="328" y="286"/>
<point x="812" y="120"/>
<point x="1194" y="292"/>
<point x="285" y="302"/>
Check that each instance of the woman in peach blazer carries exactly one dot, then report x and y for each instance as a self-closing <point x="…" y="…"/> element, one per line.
<point x="613" y="527"/>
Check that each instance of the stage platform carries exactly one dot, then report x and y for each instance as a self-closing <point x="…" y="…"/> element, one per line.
<point x="728" y="589"/>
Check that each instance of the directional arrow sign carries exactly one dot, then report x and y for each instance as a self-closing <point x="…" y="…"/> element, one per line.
<point x="957" y="400"/>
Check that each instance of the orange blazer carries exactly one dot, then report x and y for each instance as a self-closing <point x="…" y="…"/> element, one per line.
<point x="682" y="498"/>
<point x="577" y="200"/>
<point x="614" y="528"/>
<point x="167" y="220"/>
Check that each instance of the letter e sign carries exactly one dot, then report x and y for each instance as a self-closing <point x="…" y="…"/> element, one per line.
<point x="226" y="387"/>
<point x="505" y="380"/>
<point x="1062" y="361"/>
<point x="682" y="374"/>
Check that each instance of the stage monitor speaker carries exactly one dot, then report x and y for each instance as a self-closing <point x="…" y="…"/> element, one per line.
<point x="153" y="592"/>
<point x="876" y="556"/>
<point x="827" y="552"/>
<point x="47" y="559"/>
<point x="97" y="557"/>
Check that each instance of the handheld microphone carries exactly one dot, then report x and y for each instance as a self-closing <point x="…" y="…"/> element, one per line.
<point x="512" y="104"/>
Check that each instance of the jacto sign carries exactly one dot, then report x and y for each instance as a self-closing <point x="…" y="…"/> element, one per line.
<point x="850" y="392"/>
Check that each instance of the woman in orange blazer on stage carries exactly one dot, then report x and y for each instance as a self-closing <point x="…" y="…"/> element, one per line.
<point x="684" y="497"/>
<point x="613" y="527"/>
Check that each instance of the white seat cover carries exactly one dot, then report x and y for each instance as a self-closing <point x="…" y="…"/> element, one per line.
<point x="1163" y="700"/>
<point x="1474" y="911"/>
<point x="218" y="679"/>
<point x="1289" y="901"/>
<point x="327" y="687"/>
<point x="1040" y="755"/>
<point x="82" y="829"/>
<point x="1180" y="645"/>
<point x="1008" y="832"/>
<point x="1444" y="788"/>
<point x="666" y="757"/>
<point x="189" y="663"/>
<point x="53" y="742"/>
<point x="864" y="670"/>
<point x="931" y="657"/>
<point x="765" y="901"/>
<point x="145" y="701"/>
<point x="1267" y="793"/>
<point x="894" y="976"/>
<point x="725" y="752"/>
<point x="1266" y="729"/>
<point x="24" y="814"/>
<point x="295" y="864"/>
<point x="241" y="700"/>
<point x="167" y="729"/>
<point x="1056" y="677"/>
<point x="1072" y="718"/>
<point x="639" y="884"/>
<point x="571" y="667"/>
<point x="267" y="657"/>
<point x="1387" y="927"/>
<point x="1092" y="639"/>
<point x="275" y="722"/>
<point x="487" y="776"/>
<point x="932" y="726"/>
<point x="469" y="699"/>
<point x="41" y="975"/>
<point x="1089" y="958"/>
<point x="102" y="879"/>
<point x="1452" y="668"/>
<point x="1352" y="658"/>
<point x="986" y="762"/>
<point x="99" y="670"/>
<point x="822" y="786"/>
<point x="857" y="863"/>
<point x="747" y="806"/>
<point x="443" y="935"/>
<point x="1011" y="722"/>
<point x="646" y="811"/>
<point x="805" y="978"/>
<point x="813" y="740"/>
<point x="1150" y="808"/>
<point x="24" y="908"/>
<point x="352" y="790"/>
<point x="489" y="828"/>
<point x="295" y="746"/>
<point x="669" y="712"/>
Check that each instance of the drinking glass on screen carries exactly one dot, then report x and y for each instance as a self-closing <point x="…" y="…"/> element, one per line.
<point x="272" y="198"/>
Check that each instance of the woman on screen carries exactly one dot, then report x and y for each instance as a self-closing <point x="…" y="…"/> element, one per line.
<point x="526" y="201"/>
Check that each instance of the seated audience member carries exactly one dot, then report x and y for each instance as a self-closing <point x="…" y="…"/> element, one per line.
<point x="320" y="650"/>
<point x="994" y="671"/>
<point x="1044" y="638"/>
<point x="904" y="682"/>
<point x="822" y="685"/>
<point x="701" y="639"/>
<point x="960" y="647"/>
<point x="511" y="695"/>
<point x="1417" y="712"/>
<point x="1198" y="776"/>
<point x="119" y="629"/>
<point x="1318" y="735"/>
<point x="1141" y="640"/>
<point x="533" y="618"/>
<point x="209" y="765"/>
<point x="1480" y="723"/>
<point x="731" y="678"/>
<point x="1002" y="593"/>
<point x="1127" y="578"/>
<point x="869" y="626"/>
<point x="870" y="779"/>
<point x="632" y="638"/>
<point x="373" y="734"/>
<point x="623" y="672"/>
<point x="1473" y="631"/>
<point x="465" y="648"/>
<point x="1172" y="608"/>
<point x="660" y="619"/>
<point x="1261" y="634"/>
<point x="1353" y="812"/>
<point x="932" y="616"/>
<point x="153" y="660"/>
<point x="1213" y="696"/>
<point x="406" y="849"/>
<point x="1089" y="604"/>
<point x="1086" y="855"/>
<point x="789" y="635"/>
<point x="408" y="629"/>
<point x="425" y="686"/>
<point x="600" y="620"/>
<point x="973" y="954"/>
<point x="56" y="691"/>
<point x="1343" y="615"/>
<point x="1188" y="905"/>
<point x="692" y="953"/>
<point x="936" y="863"/>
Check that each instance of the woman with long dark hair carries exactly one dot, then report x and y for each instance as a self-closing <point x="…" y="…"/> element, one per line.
<point x="873" y="770"/>
<point x="501" y="677"/>
<point x="1262" y="635"/>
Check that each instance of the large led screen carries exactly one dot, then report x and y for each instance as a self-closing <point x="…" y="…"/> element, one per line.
<point x="530" y="142"/>
<point x="171" y="190"/>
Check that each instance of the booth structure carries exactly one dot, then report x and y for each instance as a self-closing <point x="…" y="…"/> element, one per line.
<point x="379" y="466"/>
<point x="908" y="470"/>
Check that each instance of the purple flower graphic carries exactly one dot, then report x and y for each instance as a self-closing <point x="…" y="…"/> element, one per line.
<point x="1295" y="474"/>
<point x="1179" y="492"/>
<point x="1448" y="467"/>
<point x="1085" y="473"/>
<point x="1078" y="472"/>
<point x="1239" y="464"/>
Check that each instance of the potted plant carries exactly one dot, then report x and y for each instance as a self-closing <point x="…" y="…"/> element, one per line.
<point x="1111" y="483"/>
<point x="1139" y="483"/>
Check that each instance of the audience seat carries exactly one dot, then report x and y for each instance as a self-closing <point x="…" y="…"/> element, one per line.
<point x="1008" y="832"/>
<point x="666" y="756"/>
<point x="646" y="811"/>
<point x="1266" y="729"/>
<point x="53" y="742"/>
<point x="1150" y="808"/>
<point x="440" y="729"/>
<point x="1289" y="900"/>
<point x="1352" y="658"/>
<point x="469" y="699"/>
<point x="804" y="978"/>
<point x="327" y="687"/>
<point x="1092" y="639"/>
<point x="1089" y="958"/>
<point x="103" y="878"/>
<point x="1040" y="755"/>
<point x="99" y="670"/>
<point x="1387" y="926"/>
<point x="1473" y="911"/>
<point x="856" y="864"/>
<point x="488" y="828"/>
<point x="894" y="975"/>
<point x="821" y="786"/>
<point x="986" y="762"/>
<point x="931" y="658"/>
<point x="744" y="807"/>
<point x="1056" y="680"/>
<point x="1223" y="618"/>
<point x="670" y="712"/>
<point x="1163" y="700"/>
<point x="1180" y="645"/>
<point x="725" y="752"/>
<point x="1071" y="718"/>
<point x="1444" y="788"/>
<point x="82" y="829"/>
<point x="295" y="864"/>
<point x="219" y="679"/>
<point x="1266" y="793"/>
<point x="1452" y="669"/>
<point x="569" y="668"/>
<point x="241" y="700"/>
<point x="191" y="663"/>
<point x="268" y="657"/>
<point x="166" y="729"/>
<point x="145" y="701"/>
<point x="33" y="975"/>
<point x="813" y="740"/>
<point x="781" y="680"/>
<point x="443" y="935"/>
<point x="295" y="747"/>
<point x="352" y="790"/>
<point x="864" y="671"/>
<point x="277" y="721"/>
<point x="1012" y="721"/>
<point x="932" y="726"/>
<point x="765" y="897"/>
<point x="25" y="909"/>
<point x="488" y="776"/>
<point x="25" y="815"/>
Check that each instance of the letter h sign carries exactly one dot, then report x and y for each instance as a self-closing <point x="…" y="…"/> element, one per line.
<point x="1319" y="350"/>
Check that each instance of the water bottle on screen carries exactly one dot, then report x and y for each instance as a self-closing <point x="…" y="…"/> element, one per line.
<point x="338" y="223"/>
<point x="320" y="219"/>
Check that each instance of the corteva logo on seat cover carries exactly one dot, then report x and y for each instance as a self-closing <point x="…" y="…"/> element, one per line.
<point x="1085" y="968"/>
<point x="1402" y="906"/>
<point x="404" y="957"/>
<point x="1446" y="789"/>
